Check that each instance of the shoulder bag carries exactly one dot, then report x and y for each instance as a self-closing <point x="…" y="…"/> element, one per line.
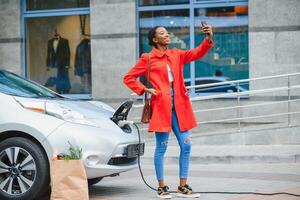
<point x="146" y="114"/>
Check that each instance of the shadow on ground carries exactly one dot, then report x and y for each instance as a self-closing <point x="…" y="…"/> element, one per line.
<point x="103" y="191"/>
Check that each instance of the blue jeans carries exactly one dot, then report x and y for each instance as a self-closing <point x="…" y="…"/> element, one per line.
<point x="184" y="142"/>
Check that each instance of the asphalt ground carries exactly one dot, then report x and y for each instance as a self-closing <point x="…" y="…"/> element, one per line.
<point x="263" y="178"/>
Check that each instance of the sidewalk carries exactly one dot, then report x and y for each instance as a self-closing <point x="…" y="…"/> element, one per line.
<point x="295" y="190"/>
<point x="264" y="178"/>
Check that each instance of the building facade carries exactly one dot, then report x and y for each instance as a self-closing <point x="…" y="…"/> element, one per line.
<point x="83" y="48"/>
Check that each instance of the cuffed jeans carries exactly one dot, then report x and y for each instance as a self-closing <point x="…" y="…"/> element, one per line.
<point x="184" y="142"/>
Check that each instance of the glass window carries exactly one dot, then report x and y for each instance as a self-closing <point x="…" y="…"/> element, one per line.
<point x="176" y="22"/>
<point x="161" y="2"/>
<point x="229" y="58"/>
<point x="59" y="53"/>
<point x="55" y="4"/>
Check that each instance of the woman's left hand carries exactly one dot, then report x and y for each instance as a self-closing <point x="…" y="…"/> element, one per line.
<point x="207" y="29"/>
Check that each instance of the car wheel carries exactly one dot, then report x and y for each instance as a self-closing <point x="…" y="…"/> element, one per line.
<point x="24" y="169"/>
<point x="94" y="181"/>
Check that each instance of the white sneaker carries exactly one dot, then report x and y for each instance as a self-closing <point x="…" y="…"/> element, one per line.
<point x="163" y="192"/>
<point x="186" y="192"/>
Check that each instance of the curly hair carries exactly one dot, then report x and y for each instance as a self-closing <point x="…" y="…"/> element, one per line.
<point x="151" y="35"/>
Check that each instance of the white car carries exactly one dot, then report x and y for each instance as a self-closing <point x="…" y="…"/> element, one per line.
<point x="35" y="122"/>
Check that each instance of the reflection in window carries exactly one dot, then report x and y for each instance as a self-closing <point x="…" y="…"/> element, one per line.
<point x="55" y="4"/>
<point x="229" y="57"/>
<point x="62" y="59"/>
<point x="161" y="2"/>
<point x="15" y="85"/>
<point x="175" y="21"/>
<point x="231" y="87"/>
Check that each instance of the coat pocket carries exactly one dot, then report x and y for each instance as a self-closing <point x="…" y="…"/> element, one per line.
<point x="155" y="99"/>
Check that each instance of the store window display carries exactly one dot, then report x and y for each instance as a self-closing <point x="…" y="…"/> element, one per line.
<point x="59" y="53"/>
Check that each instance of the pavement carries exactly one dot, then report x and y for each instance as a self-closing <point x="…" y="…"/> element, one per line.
<point x="262" y="169"/>
<point x="263" y="178"/>
<point x="259" y="177"/>
<point x="217" y="168"/>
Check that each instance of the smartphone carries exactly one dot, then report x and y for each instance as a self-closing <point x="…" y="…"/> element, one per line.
<point x="204" y="23"/>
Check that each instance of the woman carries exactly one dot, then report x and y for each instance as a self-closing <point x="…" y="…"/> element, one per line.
<point x="170" y="104"/>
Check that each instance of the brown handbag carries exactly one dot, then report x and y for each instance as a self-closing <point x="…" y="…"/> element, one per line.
<point x="146" y="114"/>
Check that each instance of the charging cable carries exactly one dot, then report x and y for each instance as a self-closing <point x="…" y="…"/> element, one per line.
<point x="152" y="188"/>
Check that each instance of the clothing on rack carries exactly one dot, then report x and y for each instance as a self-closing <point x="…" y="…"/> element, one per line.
<point x="83" y="58"/>
<point x="58" y="56"/>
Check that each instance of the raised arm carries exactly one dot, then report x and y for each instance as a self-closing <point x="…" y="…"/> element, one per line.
<point x="140" y="69"/>
<point x="203" y="48"/>
<point x="198" y="52"/>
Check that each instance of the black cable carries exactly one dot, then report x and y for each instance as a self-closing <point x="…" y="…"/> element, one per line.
<point x="254" y="193"/>
<point x="139" y="160"/>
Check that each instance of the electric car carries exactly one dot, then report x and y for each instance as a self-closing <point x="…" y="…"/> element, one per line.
<point x="36" y="122"/>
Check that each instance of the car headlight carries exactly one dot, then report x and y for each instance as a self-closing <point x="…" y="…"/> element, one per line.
<point x="58" y="111"/>
<point x="66" y="114"/>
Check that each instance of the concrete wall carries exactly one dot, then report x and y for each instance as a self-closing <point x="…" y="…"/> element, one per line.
<point x="274" y="39"/>
<point x="10" y="35"/>
<point x="113" y="28"/>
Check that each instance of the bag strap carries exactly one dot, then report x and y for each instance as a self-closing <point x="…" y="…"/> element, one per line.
<point x="148" y="77"/>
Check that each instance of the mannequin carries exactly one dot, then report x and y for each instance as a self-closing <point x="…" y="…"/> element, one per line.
<point x="83" y="63"/>
<point x="58" y="57"/>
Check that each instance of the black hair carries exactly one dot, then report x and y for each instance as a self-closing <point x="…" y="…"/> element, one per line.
<point x="151" y="35"/>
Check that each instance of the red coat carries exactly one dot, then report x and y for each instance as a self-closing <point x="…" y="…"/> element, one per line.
<point x="161" y="104"/>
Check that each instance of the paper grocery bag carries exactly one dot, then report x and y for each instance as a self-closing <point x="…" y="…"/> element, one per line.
<point x="68" y="180"/>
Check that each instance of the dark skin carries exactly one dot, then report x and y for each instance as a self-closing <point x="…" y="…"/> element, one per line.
<point x="162" y="40"/>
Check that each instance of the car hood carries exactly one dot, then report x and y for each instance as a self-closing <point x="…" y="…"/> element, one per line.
<point x="90" y="109"/>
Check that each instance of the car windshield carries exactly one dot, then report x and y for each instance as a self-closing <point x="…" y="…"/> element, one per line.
<point x="15" y="85"/>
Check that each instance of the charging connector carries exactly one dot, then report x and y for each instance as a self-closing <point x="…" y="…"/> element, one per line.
<point x="125" y="125"/>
